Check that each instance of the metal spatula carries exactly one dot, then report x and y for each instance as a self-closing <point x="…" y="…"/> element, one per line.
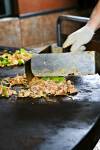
<point x="61" y="64"/>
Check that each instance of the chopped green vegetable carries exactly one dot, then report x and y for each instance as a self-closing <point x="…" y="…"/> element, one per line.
<point x="56" y="79"/>
<point x="4" y="61"/>
<point x="20" y="61"/>
<point x="17" y="52"/>
<point x="1" y="59"/>
<point x="5" y="92"/>
<point x="22" y="50"/>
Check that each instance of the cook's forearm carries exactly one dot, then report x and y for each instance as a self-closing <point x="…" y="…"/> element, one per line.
<point x="94" y="22"/>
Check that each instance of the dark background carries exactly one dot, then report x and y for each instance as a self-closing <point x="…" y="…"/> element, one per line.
<point x="16" y="5"/>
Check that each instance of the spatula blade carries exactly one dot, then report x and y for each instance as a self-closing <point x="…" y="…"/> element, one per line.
<point x="63" y="64"/>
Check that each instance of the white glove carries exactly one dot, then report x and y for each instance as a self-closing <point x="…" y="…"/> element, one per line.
<point x="79" y="38"/>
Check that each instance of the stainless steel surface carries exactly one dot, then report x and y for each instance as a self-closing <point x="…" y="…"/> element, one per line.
<point x="76" y="18"/>
<point x="63" y="64"/>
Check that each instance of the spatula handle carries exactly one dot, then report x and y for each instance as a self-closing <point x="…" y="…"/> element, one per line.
<point x="94" y="45"/>
<point x="66" y="18"/>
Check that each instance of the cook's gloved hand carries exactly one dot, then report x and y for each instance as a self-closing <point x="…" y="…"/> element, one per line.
<point x="79" y="38"/>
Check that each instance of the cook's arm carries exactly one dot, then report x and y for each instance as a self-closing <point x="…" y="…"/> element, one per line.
<point x="84" y="34"/>
<point x="94" y="21"/>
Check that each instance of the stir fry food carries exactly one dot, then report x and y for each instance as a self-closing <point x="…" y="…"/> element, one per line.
<point x="6" y="91"/>
<point x="17" y="58"/>
<point x="37" y="87"/>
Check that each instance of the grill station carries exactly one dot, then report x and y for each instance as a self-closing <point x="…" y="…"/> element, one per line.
<point x="73" y="123"/>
